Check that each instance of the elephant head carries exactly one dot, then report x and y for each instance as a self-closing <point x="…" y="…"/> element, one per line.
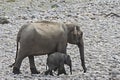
<point x="68" y="62"/>
<point x="75" y="36"/>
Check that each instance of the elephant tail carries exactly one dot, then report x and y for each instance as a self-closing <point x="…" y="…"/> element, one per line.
<point x="46" y="66"/>
<point x="17" y="42"/>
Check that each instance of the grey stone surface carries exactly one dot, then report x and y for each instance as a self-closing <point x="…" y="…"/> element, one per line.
<point x="101" y="37"/>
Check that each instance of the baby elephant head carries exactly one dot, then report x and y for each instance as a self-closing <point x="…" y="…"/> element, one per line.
<point x="68" y="62"/>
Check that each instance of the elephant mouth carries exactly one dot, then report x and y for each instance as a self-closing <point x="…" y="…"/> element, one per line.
<point x="75" y="42"/>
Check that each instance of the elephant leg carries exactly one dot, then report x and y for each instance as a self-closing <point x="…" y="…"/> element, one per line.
<point x="32" y="65"/>
<point x="61" y="70"/>
<point x="55" y="69"/>
<point x="58" y="72"/>
<point x="46" y="72"/>
<point x="51" y="73"/>
<point x="64" y="71"/>
<point x="62" y="47"/>
<point x="18" y="61"/>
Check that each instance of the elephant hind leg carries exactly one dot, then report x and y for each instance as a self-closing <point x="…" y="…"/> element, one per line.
<point x="16" y="70"/>
<point x="64" y="71"/>
<point x="49" y="71"/>
<point x="55" y="68"/>
<point x="17" y="64"/>
<point x="32" y="65"/>
<point x="61" y="70"/>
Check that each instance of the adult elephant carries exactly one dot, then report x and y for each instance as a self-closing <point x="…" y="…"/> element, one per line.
<point x="45" y="37"/>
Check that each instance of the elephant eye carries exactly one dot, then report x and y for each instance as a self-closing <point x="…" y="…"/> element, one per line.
<point x="75" y="34"/>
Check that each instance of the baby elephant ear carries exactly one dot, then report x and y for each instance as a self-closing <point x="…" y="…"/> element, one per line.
<point x="68" y="59"/>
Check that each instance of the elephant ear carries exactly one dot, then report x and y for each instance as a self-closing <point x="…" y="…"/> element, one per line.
<point x="67" y="60"/>
<point x="75" y="34"/>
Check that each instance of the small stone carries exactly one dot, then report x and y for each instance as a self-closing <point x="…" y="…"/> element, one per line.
<point x="92" y="18"/>
<point x="54" y="6"/>
<point x="24" y="18"/>
<point x="3" y="20"/>
<point x="32" y="16"/>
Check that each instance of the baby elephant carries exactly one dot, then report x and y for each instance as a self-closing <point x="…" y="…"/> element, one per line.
<point x="56" y="61"/>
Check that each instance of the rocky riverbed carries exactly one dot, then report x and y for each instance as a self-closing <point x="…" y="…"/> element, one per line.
<point x="99" y="21"/>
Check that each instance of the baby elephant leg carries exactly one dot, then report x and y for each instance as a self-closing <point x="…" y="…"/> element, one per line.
<point x="55" y="68"/>
<point x="61" y="70"/>
<point x="46" y="72"/>
<point x="64" y="71"/>
<point x="49" y="71"/>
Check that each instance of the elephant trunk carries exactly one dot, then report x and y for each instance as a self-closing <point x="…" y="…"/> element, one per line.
<point x="81" y="50"/>
<point x="71" y="69"/>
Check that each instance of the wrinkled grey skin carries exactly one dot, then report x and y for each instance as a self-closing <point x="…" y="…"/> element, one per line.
<point x="56" y="61"/>
<point x="45" y="37"/>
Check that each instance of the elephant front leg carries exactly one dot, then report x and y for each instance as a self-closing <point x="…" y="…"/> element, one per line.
<point x="32" y="65"/>
<point x="62" y="47"/>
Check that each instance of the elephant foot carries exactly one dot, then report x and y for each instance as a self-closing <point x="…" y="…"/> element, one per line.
<point x="16" y="70"/>
<point x="46" y="72"/>
<point x="59" y="73"/>
<point x="34" y="71"/>
<point x="62" y="73"/>
<point x="65" y="73"/>
<point x="51" y="73"/>
<point x="55" y="68"/>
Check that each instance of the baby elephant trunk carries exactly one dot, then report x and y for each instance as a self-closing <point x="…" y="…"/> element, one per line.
<point x="68" y="62"/>
<point x="71" y="69"/>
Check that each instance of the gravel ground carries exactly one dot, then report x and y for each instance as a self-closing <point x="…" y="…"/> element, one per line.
<point x="99" y="20"/>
